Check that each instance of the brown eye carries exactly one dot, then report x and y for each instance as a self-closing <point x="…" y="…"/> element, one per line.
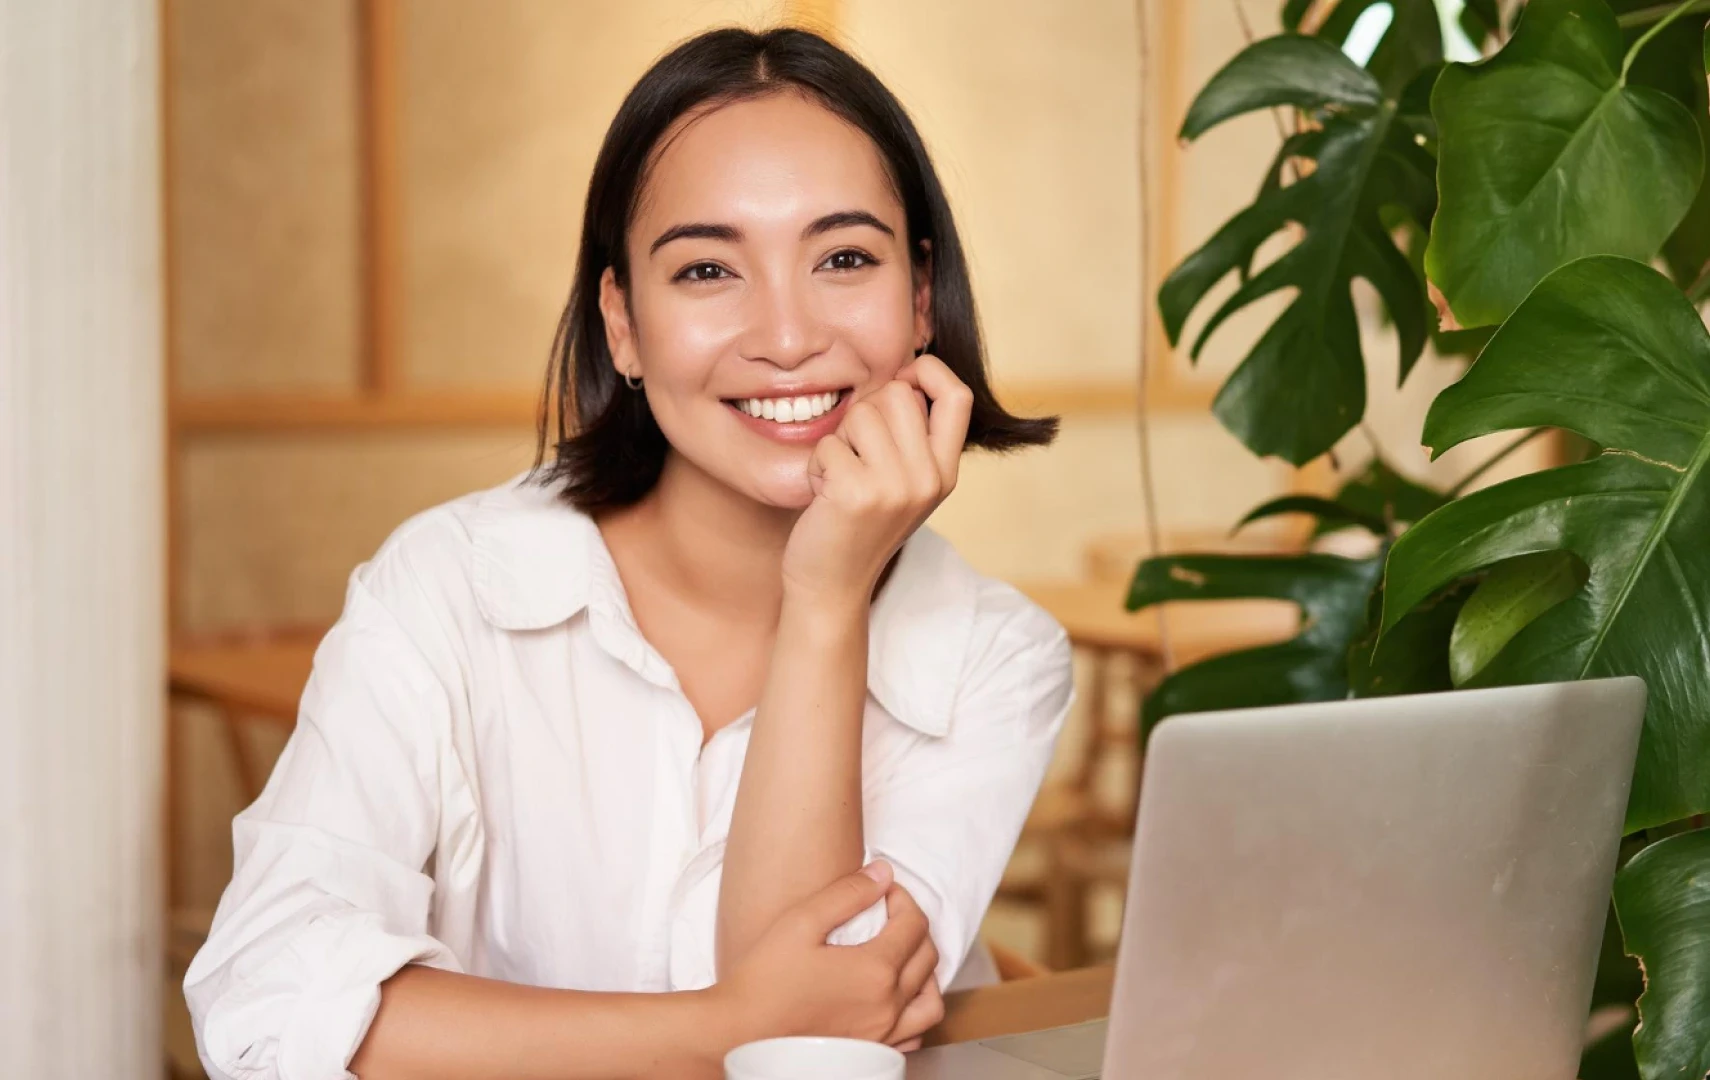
<point x="703" y="272"/>
<point x="847" y="260"/>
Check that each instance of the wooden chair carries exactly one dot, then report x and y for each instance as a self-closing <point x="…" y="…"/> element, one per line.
<point x="252" y="677"/>
<point x="1079" y="828"/>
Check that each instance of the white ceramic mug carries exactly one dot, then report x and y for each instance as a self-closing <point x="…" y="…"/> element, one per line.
<point x="813" y="1058"/>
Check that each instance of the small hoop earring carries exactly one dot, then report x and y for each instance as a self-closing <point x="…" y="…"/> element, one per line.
<point x="631" y="381"/>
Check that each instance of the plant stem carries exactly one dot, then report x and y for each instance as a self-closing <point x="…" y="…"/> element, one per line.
<point x="1645" y="38"/>
<point x="1500" y="456"/>
<point x="1700" y="288"/>
<point x="1148" y="486"/>
<point x="1630" y="19"/>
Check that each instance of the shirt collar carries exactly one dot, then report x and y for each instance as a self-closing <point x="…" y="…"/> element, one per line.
<point x="538" y="561"/>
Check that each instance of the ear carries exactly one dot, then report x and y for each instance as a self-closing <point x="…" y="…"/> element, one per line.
<point x="620" y="334"/>
<point x="923" y="298"/>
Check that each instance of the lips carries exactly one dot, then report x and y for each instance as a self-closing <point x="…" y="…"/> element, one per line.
<point x="789" y="410"/>
<point x="796" y="419"/>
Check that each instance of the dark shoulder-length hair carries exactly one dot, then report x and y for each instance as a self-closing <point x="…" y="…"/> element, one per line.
<point x="607" y="449"/>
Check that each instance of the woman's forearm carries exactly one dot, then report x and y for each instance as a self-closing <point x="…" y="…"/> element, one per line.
<point x="796" y="825"/>
<point x="438" y="1024"/>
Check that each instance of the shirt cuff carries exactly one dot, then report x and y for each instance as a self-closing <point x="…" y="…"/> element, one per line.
<point x="865" y="926"/>
<point x="303" y="1014"/>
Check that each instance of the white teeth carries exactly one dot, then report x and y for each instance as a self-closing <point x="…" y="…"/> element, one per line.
<point x="790" y="410"/>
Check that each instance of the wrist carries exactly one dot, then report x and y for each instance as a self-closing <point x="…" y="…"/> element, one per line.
<point x="721" y="1022"/>
<point x="822" y="605"/>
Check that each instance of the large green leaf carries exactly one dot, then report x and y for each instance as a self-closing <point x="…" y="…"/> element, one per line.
<point x="1663" y="899"/>
<point x="1331" y="514"/>
<point x="1672" y="62"/>
<point x="1311" y="666"/>
<point x="1380" y="490"/>
<point x="1617" y="984"/>
<point x="1413" y="658"/>
<point x="1376" y="499"/>
<point x="1480" y="19"/>
<point x="1547" y="153"/>
<point x="1303" y="384"/>
<point x="1605" y="347"/>
<point x="1506" y="601"/>
<point x="1413" y="41"/>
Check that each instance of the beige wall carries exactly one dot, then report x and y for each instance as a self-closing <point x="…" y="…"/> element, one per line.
<point x="1033" y="112"/>
<point x="264" y="200"/>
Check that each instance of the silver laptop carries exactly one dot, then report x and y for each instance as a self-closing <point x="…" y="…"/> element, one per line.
<point x="1410" y="888"/>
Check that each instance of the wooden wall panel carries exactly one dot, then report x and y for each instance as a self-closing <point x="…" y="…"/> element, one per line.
<point x="503" y="109"/>
<point x="264" y="201"/>
<point x="1206" y="182"/>
<point x="273" y="524"/>
<point x="1030" y="111"/>
<point x="1032" y="514"/>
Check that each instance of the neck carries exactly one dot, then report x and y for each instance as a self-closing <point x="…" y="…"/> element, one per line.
<point x="714" y="545"/>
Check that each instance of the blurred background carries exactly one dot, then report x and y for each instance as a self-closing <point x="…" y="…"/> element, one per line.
<point x="370" y="216"/>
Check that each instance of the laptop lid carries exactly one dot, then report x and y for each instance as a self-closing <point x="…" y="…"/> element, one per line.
<point x="1411" y="888"/>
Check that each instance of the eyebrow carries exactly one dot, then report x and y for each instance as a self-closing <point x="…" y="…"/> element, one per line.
<point x="844" y="219"/>
<point x="703" y="230"/>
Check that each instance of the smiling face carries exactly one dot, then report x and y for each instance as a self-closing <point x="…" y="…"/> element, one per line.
<point x="770" y="286"/>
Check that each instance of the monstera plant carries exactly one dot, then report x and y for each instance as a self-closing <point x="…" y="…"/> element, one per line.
<point x="1549" y="201"/>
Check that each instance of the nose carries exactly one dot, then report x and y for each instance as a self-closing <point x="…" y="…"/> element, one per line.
<point x="782" y="325"/>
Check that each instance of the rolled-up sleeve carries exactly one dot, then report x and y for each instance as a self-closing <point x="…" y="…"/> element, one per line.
<point x="328" y="897"/>
<point x="948" y="816"/>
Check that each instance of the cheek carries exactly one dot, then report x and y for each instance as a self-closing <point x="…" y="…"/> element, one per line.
<point x="679" y="340"/>
<point x="878" y="323"/>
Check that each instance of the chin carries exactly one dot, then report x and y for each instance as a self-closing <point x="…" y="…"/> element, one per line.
<point x="787" y="496"/>
<point x="784" y="488"/>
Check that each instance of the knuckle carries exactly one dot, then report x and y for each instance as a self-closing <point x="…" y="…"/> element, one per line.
<point x="877" y="982"/>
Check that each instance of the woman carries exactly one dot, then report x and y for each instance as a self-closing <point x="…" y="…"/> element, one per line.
<point x="594" y="764"/>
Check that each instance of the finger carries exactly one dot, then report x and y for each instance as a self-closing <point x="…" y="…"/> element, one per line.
<point x="952" y="405"/>
<point x="907" y="1047"/>
<point x="831" y="456"/>
<point x="918" y="1017"/>
<point x="844" y="899"/>
<point x="905" y="928"/>
<point x="907" y="423"/>
<point x="919" y="969"/>
<point x="866" y="431"/>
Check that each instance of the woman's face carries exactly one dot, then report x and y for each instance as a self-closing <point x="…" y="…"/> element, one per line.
<point x="770" y="286"/>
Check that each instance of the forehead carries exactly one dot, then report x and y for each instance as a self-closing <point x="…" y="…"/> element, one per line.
<point x="782" y="158"/>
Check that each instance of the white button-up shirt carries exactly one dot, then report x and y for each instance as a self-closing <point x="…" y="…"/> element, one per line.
<point x="494" y="772"/>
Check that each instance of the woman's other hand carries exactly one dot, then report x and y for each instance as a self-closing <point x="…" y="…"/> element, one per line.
<point x="890" y="463"/>
<point x="792" y="983"/>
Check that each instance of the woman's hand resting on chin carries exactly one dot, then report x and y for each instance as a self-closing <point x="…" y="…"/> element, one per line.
<point x="888" y="466"/>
